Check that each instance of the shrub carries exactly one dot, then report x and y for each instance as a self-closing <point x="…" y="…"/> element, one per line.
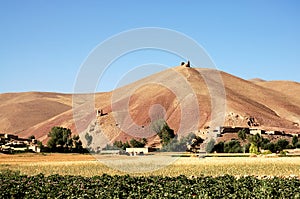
<point x="89" y="139"/>
<point x="289" y="147"/>
<point x="136" y="144"/>
<point x="247" y="147"/>
<point x="253" y="149"/>
<point x="264" y="143"/>
<point x="267" y="152"/>
<point x="165" y="133"/>
<point x="180" y="145"/>
<point x="256" y="140"/>
<point x="219" y="148"/>
<point x="233" y="146"/>
<point x="295" y="140"/>
<point x="282" y="144"/>
<point x="133" y="143"/>
<point x="210" y="146"/>
<point x="271" y="147"/>
<point x="283" y="153"/>
<point x="242" y="134"/>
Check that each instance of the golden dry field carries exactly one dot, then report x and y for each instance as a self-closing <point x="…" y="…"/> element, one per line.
<point x="165" y="165"/>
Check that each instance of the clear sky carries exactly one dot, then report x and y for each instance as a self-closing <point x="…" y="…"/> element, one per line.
<point x="44" y="43"/>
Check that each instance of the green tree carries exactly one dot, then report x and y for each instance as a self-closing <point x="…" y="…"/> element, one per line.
<point x="163" y="130"/>
<point x="253" y="149"/>
<point x="144" y="141"/>
<point x="173" y="146"/>
<point x="195" y="142"/>
<point x="31" y="137"/>
<point x="281" y="144"/>
<point x="110" y="147"/>
<point x="60" y="139"/>
<point x="166" y="135"/>
<point x="219" y="148"/>
<point x="40" y="145"/>
<point x="126" y="145"/>
<point x="210" y="146"/>
<point x="89" y="139"/>
<point x="295" y="140"/>
<point x="242" y="134"/>
<point x="158" y="125"/>
<point x="256" y="140"/>
<point x="271" y="147"/>
<point x="118" y="144"/>
<point x="233" y="146"/>
<point x="179" y="145"/>
<point x="265" y="143"/>
<point x="76" y="144"/>
<point x="246" y="148"/>
<point x="136" y="144"/>
<point x="121" y="145"/>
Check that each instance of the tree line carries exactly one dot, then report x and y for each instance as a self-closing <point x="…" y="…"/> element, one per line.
<point x="61" y="140"/>
<point x="252" y="144"/>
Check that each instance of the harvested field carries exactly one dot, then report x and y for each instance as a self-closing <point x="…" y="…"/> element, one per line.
<point x="165" y="165"/>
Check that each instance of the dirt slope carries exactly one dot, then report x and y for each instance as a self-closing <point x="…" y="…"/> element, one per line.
<point x="148" y="100"/>
<point x="179" y="95"/>
<point x="20" y="111"/>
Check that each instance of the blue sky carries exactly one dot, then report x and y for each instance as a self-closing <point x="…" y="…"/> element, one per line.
<point x="44" y="43"/>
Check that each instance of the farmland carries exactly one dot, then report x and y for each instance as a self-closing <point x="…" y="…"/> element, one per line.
<point x="156" y="176"/>
<point x="106" y="186"/>
<point x="88" y="165"/>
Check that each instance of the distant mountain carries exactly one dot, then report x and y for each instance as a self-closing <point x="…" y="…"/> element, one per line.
<point x="20" y="111"/>
<point x="273" y="105"/>
<point x="257" y="80"/>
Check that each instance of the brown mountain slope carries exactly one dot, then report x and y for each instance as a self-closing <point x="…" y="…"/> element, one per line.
<point x="64" y="119"/>
<point x="288" y="89"/>
<point x="156" y="97"/>
<point x="20" y="111"/>
<point x="270" y="107"/>
<point x="179" y="95"/>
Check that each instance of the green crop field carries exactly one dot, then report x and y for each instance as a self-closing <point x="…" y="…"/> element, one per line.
<point x="156" y="176"/>
<point x="14" y="185"/>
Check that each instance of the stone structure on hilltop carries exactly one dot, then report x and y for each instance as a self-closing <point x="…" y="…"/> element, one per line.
<point x="100" y="113"/>
<point x="188" y="65"/>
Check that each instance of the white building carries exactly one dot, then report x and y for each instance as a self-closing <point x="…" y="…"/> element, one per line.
<point x="137" y="151"/>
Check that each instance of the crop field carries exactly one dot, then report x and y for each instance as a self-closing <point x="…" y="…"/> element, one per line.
<point x="14" y="185"/>
<point x="165" y="165"/>
<point x="155" y="176"/>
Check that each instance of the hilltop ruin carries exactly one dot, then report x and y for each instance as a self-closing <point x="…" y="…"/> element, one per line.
<point x="188" y="65"/>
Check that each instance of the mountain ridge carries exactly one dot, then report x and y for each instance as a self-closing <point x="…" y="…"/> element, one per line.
<point x="273" y="104"/>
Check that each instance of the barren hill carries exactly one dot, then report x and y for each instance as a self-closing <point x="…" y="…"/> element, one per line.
<point x="187" y="98"/>
<point x="20" y="111"/>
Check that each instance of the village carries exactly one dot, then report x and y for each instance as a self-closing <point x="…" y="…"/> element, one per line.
<point x="12" y="143"/>
<point x="220" y="131"/>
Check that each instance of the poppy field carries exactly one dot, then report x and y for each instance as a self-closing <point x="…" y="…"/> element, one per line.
<point x="15" y="185"/>
<point x="81" y="176"/>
